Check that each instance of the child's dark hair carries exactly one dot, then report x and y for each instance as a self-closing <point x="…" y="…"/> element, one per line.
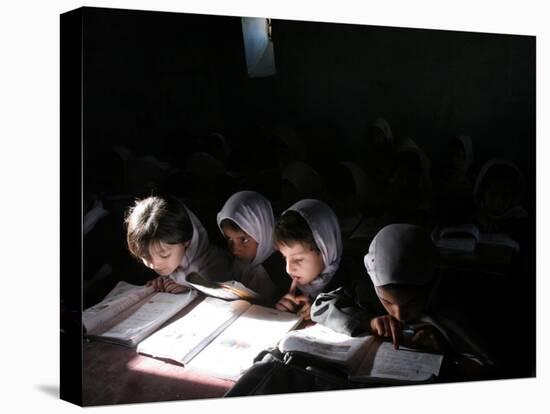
<point x="156" y="219"/>
<point x="231" y="224"/>
<point x="292" y="228"/>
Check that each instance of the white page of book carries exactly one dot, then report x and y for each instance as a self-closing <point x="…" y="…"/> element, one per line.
<point x="150" y="314"/>
<point x="234" y="350"/>
<point x="183" y="338"/>
<point x="403" y="364"/>
<point x="117" y="300"/>
<point x="322" y="342"/>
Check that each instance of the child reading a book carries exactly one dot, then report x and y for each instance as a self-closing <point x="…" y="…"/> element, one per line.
<point x="308" y="236"/>
<point x="246" y="221"/>
<point x="401" y="263"/>
<point x="169" y="239"/>
<point x="497" y="194"/>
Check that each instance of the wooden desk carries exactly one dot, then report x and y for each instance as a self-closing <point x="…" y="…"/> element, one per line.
<point x="114" y="374"/>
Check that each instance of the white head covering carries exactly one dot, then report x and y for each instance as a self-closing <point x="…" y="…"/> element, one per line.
<point x="384" y="126"/>
<point x="408" y="145"/>
<point x="323" y="224"/>
<point x="201" y="256"/>
<point x="307" y="181"/>
<point x="252" y="212"/>
<point x="401" y="253"/>
<point x="466" y="142"/>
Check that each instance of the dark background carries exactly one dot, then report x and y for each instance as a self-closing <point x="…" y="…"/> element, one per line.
<point x="154" y="79"/>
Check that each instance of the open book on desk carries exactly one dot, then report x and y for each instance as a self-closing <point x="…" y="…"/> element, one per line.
<point x="220" y="338"/>
<point x="362" y="359"/>
<point x="129" y="313"/>
<point x="468" y="239"/>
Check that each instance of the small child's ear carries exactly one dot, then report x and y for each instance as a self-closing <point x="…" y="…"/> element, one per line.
<point x="187" y="244"/>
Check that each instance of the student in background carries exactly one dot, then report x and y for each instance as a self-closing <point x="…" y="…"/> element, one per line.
<point x="408" y="191"/>
<point x="453" y="189"/>
<point x="283" y="147"/>
<point x="308" y="236"/>
<point x="380" y="148"/>
<point x="246" y="221"/>
<point x="352" y="195"/>
<point x="402" y="265"/>
<point x="169" y="239"/>
<point x="266" y="159"/>
<point x="497" y="195"/>
<point x="460" y="159"/>
<point x="300" y="181"/>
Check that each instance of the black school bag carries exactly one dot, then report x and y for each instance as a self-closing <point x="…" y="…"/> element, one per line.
<point x="275" y="373"/>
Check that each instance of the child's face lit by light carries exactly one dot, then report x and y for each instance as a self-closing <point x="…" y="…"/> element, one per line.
<point x="165" y="258"/>
<point x="302" y="263"/>
<point x="405" y="306"/>
<point x="241" y="244"/>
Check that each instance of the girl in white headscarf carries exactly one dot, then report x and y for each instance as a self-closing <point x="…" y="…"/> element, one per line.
<point x="402" y="265"/>
<point x="246" y="221"/>
<point x="308" y="236"/>
<point x="169" y="239"/>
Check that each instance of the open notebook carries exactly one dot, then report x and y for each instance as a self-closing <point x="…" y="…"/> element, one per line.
<point x="363" y="359"/>
<point x="220" y="338"/>
<point x="130" y="313"/>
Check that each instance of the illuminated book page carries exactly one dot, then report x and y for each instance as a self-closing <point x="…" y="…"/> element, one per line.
<point x="182" y="339"/>
<point x="400" y="364"/>
<point x="234" y="350"/>
<point x="322" y="342"/>
<point x="147" y="316"/>
<point x="123" y="296"/>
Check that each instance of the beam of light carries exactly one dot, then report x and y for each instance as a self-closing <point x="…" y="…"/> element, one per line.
<point x="258" y="46"/>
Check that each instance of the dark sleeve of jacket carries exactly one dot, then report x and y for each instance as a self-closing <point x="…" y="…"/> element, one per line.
<point x="344" y="308"/>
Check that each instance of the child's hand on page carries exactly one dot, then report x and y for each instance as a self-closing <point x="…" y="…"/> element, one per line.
<point x="386" y="326"/>
<point x="304" y="307"/>
<point x="172" y="287"/>
<point x="427" y="339"/>
<point x="288" y="302"/>
<point x="157" y="283"/>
